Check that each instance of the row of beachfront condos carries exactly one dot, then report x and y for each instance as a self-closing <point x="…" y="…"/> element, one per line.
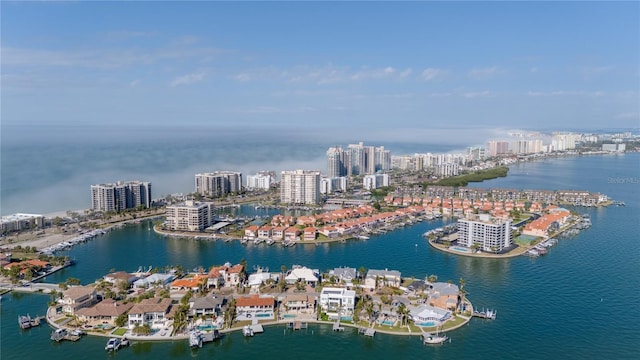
<point x="337" y="298"/>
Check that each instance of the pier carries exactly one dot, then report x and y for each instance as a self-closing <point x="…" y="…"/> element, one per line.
<point x="489" y="314"/>
<point x="367" y="331"/>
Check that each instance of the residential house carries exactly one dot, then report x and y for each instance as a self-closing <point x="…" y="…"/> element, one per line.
<point x="304" y="274"/>
<point x="255" y="307"/>
<point x="299" y="302"/>
<point x="292" y="234"/>
<point x="345" y="274"/>
<point x="120" y="276"/>
<point x="156" y="279"/>
<point x="251" y="232"/>
<point x="444" y="295"/>
<point x="264" y="232"/>
<point x="425" y="315"/>
<point x="107" y="309"/>
<point x="337" y="302"/>
<point x="309" y="233"/>
<point x="205" y="306"/>
<point x="78" y="297"/>
<point x="378" y="278"/>
<point x="152" y="312"/>
<point x="190" y="283"/>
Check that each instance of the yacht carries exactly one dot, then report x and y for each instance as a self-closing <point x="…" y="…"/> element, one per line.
<point x="247" y="331"/>
<point x="195" y="339"/>
<point x="113" y="344"/>
<point x="428" y="338"/>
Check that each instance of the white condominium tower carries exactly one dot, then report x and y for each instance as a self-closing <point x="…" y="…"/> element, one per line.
<point x="120" y="196"/>
<point x="300" y="187"/>
<point x="261" y="180"/>
<point x="189" y="216"/>
<point x="491" y="234"/>
<point x="357" y="159"/>
<point x="218" y="183"/>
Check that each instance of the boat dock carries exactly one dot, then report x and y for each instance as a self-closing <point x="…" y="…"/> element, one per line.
<point x="26" y="321"/>
<point x="297" y="325"/>
<point x="488" y="314"/>
<point x="367" y="331"/>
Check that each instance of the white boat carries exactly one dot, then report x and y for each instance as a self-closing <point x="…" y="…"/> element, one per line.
<point x="247" y="330"/>
<point x="113" y="344"/>
<point x="58" y="334"/>
<point x="24" y="321"/>
<point x="429" y="338"/>
<point x="195" y="339"/>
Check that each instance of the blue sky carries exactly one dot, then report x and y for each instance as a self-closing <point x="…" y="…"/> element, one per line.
<point x="377" y="66"/>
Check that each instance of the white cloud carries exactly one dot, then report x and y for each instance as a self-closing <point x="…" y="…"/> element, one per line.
<point x="243" y="77"/>
<point x="429" y="74"/>
<point x="405" y="73"/>
<point x="567" y="93"/>
<point x="134" y="83"/>
<point x="629" y="115"/>
<point x="475" y="94"/>
<point x="188" y="79"/>
<point x="483" y="73"/>
<point x="595" y="70"/>
<point x="274" y="110"/>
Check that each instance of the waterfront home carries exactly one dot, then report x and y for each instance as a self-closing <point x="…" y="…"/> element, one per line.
<point x="216" y="276"/>
<point x="278" y="232"/>
<point x="337" y="301"/>
<point x="233" y="275"/>
<point x="255" y="307"/>
<point x="292" y="234"/>
<point x="306" y="220"/>
<point x="309" y="233"/>
<point x="345" y="274"/>
<point x="546" y="224"/>
<point x="264" y="232"/>
<point x="152" y="312"/>
<point x="107" y="309"/>
<point x="330" y="232"/>
<point x="205" y="306"/>
<point x="78" y="297"/>
<point x="299" y="302"/>
<point x="425" y="315"/>
<point x="282" y="221"/>
<point x="444" y="295"/>
<point x="251" y="232"/>
<point x="304" y="274"/>
<point x="260" y="278"/>
<point x="118" y="276"/>
<point x="378" y="278"/>
<point x="190" y="283"/>
<point x="156" y="279"/>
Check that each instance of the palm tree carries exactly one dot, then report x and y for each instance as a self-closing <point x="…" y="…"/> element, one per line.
<point x="463" y="292"/>
<point x="401" y="310"/>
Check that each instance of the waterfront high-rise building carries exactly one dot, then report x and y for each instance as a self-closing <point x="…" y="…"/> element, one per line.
<point x="357" y="159"/>
<point x="375" y="181"/>
<point x="331" y="185"/>
<point x="300" y="187"/>
<point x="262" y="180"/>
<point x="490" y="234"/>
<point x="495" y="148"/>
<point x="115" y="197"/>
<point x="189" y="216"/>
<point x="336" y="162"/>
<point x="218" y="183"/>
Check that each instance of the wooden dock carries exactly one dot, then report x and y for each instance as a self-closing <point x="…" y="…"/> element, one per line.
<point x="367" y="331"/>
<point x="488" y="314"/>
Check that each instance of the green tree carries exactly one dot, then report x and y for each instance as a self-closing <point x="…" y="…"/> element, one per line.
<point x="121" y="320"/>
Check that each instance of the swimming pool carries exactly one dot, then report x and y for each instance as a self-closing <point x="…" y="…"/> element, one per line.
<point x="207" y="327"/>
<point x="387" y="322"/>
<point x="426" y="324"/>
<point x="289" y="316"/>
<point x="264" y="315"/>
<point x="346" y="318"/>
<point x="461" y="249"/>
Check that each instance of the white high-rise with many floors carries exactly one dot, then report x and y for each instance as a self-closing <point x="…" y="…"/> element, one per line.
<point x="189" y="216"/>
<point x="491" y="234"/>
<point x="218" y="183"/>
<point x="120" y="196"/>
<point x="300" y="187"/>
<point x="262" y="180"/>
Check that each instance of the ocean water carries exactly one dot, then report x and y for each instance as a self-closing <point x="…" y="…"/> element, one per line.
<point x="579" y="301"/>
<point x="48" y="169"/>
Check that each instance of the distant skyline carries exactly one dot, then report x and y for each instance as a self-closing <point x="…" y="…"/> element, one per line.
<point x="366" y="66"/>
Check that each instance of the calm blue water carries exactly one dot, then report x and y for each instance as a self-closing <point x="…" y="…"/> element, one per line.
<point x="52" y="168"/>
<point x="580" y="300"/>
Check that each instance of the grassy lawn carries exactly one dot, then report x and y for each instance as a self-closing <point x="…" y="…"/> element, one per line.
<point x="451" y="323"/>
<point x="60" y="321"/>
<point x="119" y="331"/>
